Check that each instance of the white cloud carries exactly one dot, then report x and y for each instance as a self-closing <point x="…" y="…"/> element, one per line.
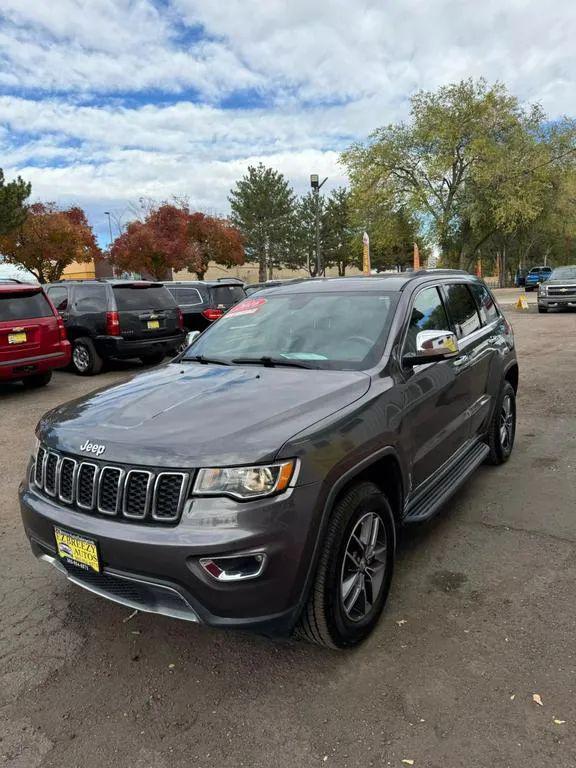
<point x="106" y="100"/>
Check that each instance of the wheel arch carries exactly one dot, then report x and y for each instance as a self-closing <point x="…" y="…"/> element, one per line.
<point x="512" y="374"/>
<point x="385" y="469"/>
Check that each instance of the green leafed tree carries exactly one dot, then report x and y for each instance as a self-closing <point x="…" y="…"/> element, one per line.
<point x="470" y="165"/>
<point x="339" y="232"/>
<point x="13" y="196"/>
<point x="263" y="207"/>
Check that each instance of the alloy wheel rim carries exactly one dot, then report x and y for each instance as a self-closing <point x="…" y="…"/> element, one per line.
<point x="363" y="567"/>
<point x="81" y="358"/>
<point x="506" y="423"/>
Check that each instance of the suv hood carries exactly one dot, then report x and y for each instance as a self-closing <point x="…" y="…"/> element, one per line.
<point x="194" y="415"/>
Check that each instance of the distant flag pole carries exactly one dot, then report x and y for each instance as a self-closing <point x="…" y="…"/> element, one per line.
<point x="416" y="257"/>
<point x="366" y="253"/>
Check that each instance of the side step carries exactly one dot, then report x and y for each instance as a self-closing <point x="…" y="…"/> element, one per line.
<point x="427" y="503"/>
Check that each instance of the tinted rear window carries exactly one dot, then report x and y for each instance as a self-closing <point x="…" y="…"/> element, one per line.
<point x="90" y="298"/>
<point x="462" y="309"/>
<point x="228" y="294"/>
<point x="23" y="307"/>
<point x="154" y="297"/>
<point x="186" y="296"/>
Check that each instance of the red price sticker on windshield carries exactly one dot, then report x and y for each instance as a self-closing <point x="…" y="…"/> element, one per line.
<point x="247" y="307"/>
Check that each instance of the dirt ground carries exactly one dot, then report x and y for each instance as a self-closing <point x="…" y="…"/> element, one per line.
<point x="481" y="618"/>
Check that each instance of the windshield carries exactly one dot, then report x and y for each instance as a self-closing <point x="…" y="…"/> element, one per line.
<point x="564" y="273"/>
<point x="342" y="331"/>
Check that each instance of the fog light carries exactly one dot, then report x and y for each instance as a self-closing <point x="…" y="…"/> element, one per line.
<point x="234" y="567"/>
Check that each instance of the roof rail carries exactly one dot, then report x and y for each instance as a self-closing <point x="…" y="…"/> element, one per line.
<point x="441" y="271"/>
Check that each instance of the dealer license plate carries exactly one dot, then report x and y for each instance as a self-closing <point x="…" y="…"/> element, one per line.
<point x="77" y="550"/>
<point x="17" y="338"/>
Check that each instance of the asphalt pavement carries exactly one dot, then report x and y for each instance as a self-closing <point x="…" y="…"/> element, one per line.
<point x="473" y="664"/>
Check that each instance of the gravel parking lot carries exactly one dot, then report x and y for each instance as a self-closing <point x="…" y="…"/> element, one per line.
<point x="480" y="619"/>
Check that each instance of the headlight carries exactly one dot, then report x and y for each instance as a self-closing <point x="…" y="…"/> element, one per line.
<point x="245" y="482"/>
<point x="542" y="289"/>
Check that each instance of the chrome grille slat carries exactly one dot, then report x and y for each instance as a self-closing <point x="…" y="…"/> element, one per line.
<point x="169" y="491"/>
<point x="39" y="467"/>
<point x="110" y="490"/>
<point x="86" y="485"/>
<point x="51" y="473"/>
<point x="67" y="479"/>
<point x="136" y="494"/>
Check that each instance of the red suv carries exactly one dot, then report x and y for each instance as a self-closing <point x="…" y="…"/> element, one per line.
<point x="32" y="335"/>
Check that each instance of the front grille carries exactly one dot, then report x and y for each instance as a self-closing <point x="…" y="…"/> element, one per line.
<point x="567" y="292"/>
<point x="92" y="487"/>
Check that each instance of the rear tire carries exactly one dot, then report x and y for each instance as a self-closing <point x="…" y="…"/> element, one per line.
<point x="503" y="426"/>
<point x="153" y="358"/>
<point x="354" y="570"/>
<point x="85" y="360"/>
<point x="37" y="381"/>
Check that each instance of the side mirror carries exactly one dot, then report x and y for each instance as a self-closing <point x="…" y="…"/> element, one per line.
<point x="433" y="346"/>
<point x="192" y="336"/>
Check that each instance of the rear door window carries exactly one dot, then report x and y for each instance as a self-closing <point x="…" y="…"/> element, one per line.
<point x="227" y="294"/>
<point x="90" y="298"/>
<point x="22" y="306"/>
<point x="58" y="296"/>
<point x="462" y="309"/>
<point x="188" y="297"/>
<point x="143" y="297"/>
<point x="486" y="305"/>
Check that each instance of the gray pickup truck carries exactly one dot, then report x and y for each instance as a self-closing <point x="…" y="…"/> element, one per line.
<point x="559" y="290"/>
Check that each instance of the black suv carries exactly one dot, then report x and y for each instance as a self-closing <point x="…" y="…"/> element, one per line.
<point x="117" y="319"/>
<point x="258" y="481"/>
<point x="203" y="301"/>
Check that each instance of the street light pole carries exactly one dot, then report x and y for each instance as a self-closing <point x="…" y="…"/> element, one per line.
<point x="316" y="187"/>
<point x="107" y="213"/>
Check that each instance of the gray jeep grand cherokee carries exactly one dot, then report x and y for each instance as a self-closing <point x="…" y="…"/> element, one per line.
<point x="259" y="479"/>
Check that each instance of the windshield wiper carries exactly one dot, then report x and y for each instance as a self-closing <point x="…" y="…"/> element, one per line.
<point x="204" y="360"/>
<point x="271" y="362"/>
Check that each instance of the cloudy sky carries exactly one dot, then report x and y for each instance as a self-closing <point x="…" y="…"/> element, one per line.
<point x="105" y="101"/>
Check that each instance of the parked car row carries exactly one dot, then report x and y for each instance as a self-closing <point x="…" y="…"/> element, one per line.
<point x="84" y="323"/>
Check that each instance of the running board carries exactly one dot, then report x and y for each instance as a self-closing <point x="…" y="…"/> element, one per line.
<point x="426" y="504"/>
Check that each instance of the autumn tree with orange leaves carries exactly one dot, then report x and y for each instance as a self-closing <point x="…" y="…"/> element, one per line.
<point x="216" y="240"/>
<point x="49" y="240"/>
<point x="172" y="238"/>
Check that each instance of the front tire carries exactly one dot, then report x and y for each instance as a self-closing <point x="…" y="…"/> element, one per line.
<point x="503" y="427"/>
<point x="85" y="360"/>
<point x="37" y="381"/>
<point x="542" y="309"/>
<point x="354" y="570"/>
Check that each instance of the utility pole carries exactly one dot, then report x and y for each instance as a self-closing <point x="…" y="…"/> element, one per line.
<point x="316" y="187"/>
<point x="107" y="213"/>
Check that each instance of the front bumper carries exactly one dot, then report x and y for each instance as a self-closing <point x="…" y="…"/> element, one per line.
<point x="156" y="567"/>
<point x="557" y="301"/>
<point x="117" y="346"/>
